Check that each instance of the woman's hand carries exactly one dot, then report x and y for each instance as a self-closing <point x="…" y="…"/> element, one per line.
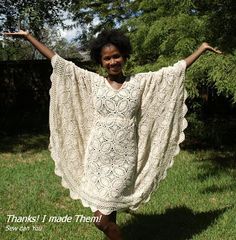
<point x="48" y="53"/>
<point x="195" y="55"/>
<point x="20" y="33"/>
<point x="205" y="46"/>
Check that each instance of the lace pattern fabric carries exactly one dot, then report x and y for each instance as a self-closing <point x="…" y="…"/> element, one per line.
<point x="112" y="147"/>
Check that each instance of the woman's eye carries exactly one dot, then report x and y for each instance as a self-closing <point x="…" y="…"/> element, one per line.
<point x="117" y="56"/>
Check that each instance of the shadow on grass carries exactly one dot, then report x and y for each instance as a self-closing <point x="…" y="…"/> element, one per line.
<point x="24" y="142"/>
<point x="210" y="134"/>
<point x="217" y="162"/>
<point x="225" y="160"/>
<point x="215" y="165"/>
<point x="175" y="224"/>
<point x="219" y="189"/>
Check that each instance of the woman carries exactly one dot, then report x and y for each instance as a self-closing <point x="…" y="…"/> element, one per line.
<point x="113" y="139"/>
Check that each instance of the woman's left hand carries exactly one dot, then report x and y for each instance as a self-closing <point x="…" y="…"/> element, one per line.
<point x="206" y="47"/>
<point x="195" y="55"/>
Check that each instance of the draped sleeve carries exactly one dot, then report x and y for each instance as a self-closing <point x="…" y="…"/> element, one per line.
<point x="161" y="122"/>
<point x="70" y="119"/>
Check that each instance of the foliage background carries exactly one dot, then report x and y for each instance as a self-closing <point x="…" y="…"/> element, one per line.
<point x="161" y="32"/>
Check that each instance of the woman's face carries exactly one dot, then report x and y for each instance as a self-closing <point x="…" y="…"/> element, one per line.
<point x="112" y="60"/>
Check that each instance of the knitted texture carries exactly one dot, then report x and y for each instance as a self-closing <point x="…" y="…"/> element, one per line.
<point x="112" y="147"/>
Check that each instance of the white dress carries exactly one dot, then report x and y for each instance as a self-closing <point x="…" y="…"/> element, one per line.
<point x="112" y="147"/>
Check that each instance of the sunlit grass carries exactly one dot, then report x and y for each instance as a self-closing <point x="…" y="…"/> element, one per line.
<point x="195" y="201"/>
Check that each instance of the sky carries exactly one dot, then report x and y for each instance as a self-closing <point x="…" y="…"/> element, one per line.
<point x="69" y="34"/>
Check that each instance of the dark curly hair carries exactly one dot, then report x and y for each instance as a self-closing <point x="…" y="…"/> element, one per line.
<point x="115" y="37"/>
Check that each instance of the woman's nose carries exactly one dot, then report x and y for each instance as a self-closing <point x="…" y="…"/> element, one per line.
<point x="112" y="61"/>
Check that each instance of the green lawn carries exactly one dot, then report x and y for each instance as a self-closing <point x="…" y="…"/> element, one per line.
<point x="195" y="201"/>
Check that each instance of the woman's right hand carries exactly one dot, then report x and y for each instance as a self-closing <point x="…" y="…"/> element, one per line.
<point x="20" y="33"/>
<point x="48" y="53"/>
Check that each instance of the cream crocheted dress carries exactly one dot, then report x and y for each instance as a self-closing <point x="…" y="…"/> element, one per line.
<point x="112" y="147"/>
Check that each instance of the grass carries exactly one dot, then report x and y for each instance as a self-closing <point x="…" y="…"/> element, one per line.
<point x="195" y="201"/>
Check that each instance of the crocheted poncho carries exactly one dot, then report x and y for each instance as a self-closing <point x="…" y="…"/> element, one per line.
<point x="112" y="147"/>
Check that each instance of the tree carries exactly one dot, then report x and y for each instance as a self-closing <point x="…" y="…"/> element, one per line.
<point x="93" y="16"/>
<point x="19" y="49"/>
<point x="67" y="49"/>
<point x="220" y="21"/>
<point x="11" y="49"/>
<point x="175" y="28"/>
<point x="161" y="32"/>
<point x="42" y="18"/>
<point x="31" y="14"/>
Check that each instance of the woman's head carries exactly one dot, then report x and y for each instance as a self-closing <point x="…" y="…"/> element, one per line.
<point x="110" y="37"/>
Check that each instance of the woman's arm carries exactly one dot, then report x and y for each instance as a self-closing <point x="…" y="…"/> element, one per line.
<point x="48" y="53"/>
<point x="194" y="56"/>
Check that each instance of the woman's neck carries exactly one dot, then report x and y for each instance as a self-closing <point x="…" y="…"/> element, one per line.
<point x="116" y="78"/>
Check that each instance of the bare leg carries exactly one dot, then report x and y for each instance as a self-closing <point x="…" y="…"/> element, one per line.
<point x="108" y="225"/>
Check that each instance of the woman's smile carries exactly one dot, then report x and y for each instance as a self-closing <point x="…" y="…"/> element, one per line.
<point x="116" y="67"/>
